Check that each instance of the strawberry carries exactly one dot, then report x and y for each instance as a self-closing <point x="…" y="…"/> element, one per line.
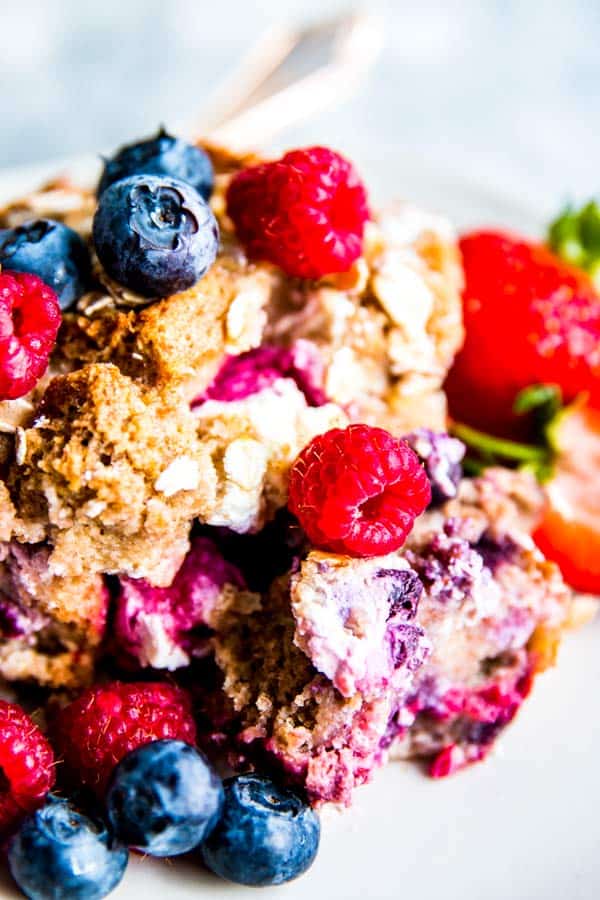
<point x="530" y="318"/>
<point x="566" y="461"/>
<point x="569" y="532"/>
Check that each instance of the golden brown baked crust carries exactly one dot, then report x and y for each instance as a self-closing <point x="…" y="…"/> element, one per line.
<point x="90" y="475"/>
<point x="180" y="340"/>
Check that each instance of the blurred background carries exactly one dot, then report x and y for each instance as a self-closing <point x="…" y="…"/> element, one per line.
<point x="507" y="91"/>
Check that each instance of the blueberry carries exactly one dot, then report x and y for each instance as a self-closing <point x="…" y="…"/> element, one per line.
<point x="496" y="549"/>
<point x="51" y="250"/>
<point x="161" y="155"/>
<point x="156" y="236"/>
<point x="266" y="834"/>
<point x="404" y="592"/>
<point x="164" y="798"/>
<point x="60" y="853"/>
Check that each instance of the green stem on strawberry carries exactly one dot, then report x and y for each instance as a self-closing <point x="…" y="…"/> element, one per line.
<point x="543" y="402"/>
<point x="492" y="447"/>
<point x="575" y="237"/>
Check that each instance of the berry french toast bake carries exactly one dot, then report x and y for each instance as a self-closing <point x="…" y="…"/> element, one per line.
<point x="154" y="413"/>
<point x="224" y="465"/>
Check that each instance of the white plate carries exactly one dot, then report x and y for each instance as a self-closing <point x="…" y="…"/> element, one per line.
<point x="522" y="826"/>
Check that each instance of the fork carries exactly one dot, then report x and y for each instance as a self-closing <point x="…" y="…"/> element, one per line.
<point x="291" y="74"/>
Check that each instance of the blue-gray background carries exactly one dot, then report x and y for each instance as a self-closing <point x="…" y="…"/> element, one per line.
<point x="506" y="90"/>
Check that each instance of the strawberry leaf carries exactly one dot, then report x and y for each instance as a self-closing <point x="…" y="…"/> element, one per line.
<point x="540" y="397"/>
<point x="542" y="402"/>
<point x="575" y="237"/>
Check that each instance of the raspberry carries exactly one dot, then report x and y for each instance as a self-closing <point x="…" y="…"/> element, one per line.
<point x="456" y="757"/>
<point x="358" y="490"/>
<point x="248" y="373"/>
<point x="177" y="613"/>
<point x="94" y="732"/>
<point x="305" y="212"/>
<point x="26" y="766"/>
<point x="29" y="322"/>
